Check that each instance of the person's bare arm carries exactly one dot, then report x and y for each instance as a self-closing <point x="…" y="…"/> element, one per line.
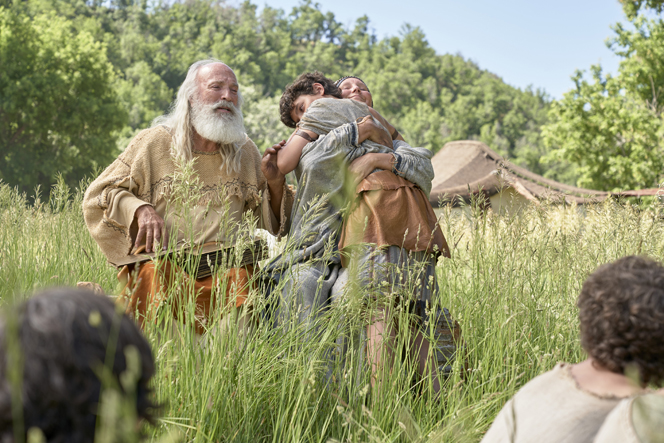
<point x="289" y="155"/>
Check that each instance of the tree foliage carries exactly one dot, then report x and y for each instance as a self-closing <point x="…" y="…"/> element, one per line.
<point x="633" y="7"/>
<point x="431" y="98"/>
<point x="611" y="126"/>
<point x="58" y="109"/>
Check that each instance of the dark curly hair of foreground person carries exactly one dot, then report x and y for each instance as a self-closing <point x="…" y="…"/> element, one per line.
<point x="63" y="339"/>
<point x="621" y="309"/>
<point x="304" y="85"/>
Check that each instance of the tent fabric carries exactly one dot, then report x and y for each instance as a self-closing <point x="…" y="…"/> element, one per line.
<point x="467" y="168"/>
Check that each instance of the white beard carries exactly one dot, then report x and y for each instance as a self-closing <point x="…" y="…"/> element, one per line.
<point x="225" y="129"/>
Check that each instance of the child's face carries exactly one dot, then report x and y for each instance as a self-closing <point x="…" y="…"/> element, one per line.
<point x="302" y="103"/>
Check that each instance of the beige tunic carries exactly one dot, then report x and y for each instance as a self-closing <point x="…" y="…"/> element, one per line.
<point x="635" y="420"/>
<point x="551" y="408"/>
<point x="146" y="173"/>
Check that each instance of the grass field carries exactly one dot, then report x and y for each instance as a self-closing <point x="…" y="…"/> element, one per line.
<point x="511" y="283"/>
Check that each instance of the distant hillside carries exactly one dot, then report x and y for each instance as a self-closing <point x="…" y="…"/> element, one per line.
<point x="430" y="98"/>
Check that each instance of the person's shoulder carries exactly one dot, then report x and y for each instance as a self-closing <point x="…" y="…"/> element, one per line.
<point x="153" y="134"/>
<point x="250" y="163"/>
<point x="327" y="102"/>
<point x="150" y="141"/>
<point x="559" y="385"/>
<point x="559" y="371"/>
<point x="250" y="148"/>
<point x="251" y="156"/>
<point x="634" y="419"/>
<point x="651" y="400"/>
<point x="551" y="381"/>
<point x="355" y="104"/>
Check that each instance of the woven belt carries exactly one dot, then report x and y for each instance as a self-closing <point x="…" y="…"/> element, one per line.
<point x="201" y="261"/>
<point x="210" y="261"/>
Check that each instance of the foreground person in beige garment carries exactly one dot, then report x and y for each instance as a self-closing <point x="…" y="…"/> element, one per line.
<point x="621" y="312"/>
<point x="131" y="204"/>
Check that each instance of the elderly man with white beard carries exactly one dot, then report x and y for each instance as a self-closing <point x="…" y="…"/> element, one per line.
<point x="131" y="206"/>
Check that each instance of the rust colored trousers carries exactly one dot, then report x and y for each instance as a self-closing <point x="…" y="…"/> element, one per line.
<point x="150" y="286"/>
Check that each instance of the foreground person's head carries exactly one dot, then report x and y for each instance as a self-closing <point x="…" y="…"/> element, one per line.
<point x="55" y="350"/>
<point x="621" y="311"/>
<point x="354" y="88"/>
<point x="297" y="96"/>
<point x="208" y="103"/>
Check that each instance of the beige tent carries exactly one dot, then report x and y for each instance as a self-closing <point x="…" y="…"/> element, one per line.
<point x="467" y="168"/>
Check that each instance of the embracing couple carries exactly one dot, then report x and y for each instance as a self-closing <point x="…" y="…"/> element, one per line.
<point x="384" y="229"/>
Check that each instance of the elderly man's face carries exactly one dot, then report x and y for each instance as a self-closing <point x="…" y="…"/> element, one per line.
<point x="215" y="114"/>
<point x="217" y="82"/>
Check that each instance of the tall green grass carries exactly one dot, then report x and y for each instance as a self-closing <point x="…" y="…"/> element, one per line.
<point x="511" y="283"/>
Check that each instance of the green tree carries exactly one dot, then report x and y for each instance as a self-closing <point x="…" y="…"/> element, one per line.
<point x="144" y="95"/>
<point x="610" y="127"/>
<point x="431" y="98"/>
<point x="58" y="110"/>
<point x="261" y="118"/>
<point x="632" y="7"/>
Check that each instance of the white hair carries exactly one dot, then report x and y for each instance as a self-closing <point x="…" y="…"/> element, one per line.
<point x="181" y="122"/>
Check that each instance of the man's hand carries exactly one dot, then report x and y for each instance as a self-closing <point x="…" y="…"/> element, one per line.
<point x="151" y="228"/>
<point x="269" y="163"/>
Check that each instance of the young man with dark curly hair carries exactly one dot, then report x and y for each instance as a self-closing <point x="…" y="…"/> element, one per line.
<point x="621" y="313"/>
<point x="63" y="354"/>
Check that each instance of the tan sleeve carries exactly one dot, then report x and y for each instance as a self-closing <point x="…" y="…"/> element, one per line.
<point x="111" y="201"/>
<point x="262" y="210"/>
<point x="122" y="205"/>
<point x="267" y="217"/>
